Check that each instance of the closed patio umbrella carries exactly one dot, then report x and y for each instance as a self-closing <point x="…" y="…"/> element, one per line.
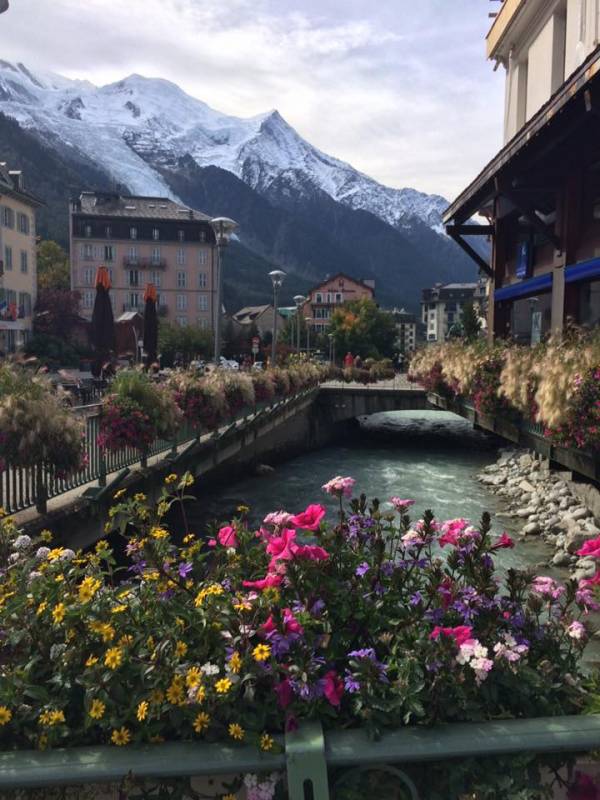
<point x="150" y="324"/>
<point x="103" y="324"/>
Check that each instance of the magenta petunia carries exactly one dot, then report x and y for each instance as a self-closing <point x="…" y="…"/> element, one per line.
<point x="333" y="688"/>
<point x="227" y="537"/>
<point x="310" y="519"/>
<point x="268" y="582"/>
<point x="590" y="548"/>
<point x="461" y="634"/>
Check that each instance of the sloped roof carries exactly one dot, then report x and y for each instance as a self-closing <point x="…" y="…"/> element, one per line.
<point x="103" y="204"/>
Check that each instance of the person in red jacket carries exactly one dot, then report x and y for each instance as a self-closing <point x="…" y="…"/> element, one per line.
<point x="348" y="360"/>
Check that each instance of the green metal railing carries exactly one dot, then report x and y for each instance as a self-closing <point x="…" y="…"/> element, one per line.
<point x="22" y="488"/>
<point x="316" y="763"/>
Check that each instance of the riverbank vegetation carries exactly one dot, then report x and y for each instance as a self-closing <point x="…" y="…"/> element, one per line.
<point x="242" y="635"/>
<point x="556" y="383"/>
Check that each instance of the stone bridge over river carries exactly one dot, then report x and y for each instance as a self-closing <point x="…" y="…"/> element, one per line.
<point x="75" y="509"/>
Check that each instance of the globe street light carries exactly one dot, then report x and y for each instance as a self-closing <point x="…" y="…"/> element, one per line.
<point x="223" y="228"/>
<point x="277" y="277"/>
<point x="308" y="320"/>
<point x="299" y="300"/>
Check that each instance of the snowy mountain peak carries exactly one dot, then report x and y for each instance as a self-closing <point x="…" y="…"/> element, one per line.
<point x="138" y="124"/>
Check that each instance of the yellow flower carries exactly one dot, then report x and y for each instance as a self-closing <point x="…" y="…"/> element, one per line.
<point x="200" y="694"/>
<point x="214" y="589"/>
<point x="236" y="731"/>
<point x="223" y="686"/>
<point x="142" y="711"/>
<point x="113" y="657"/>
<point x="235" y="662"/>
<point x="156" y="696"/>
<point x="243" y="605"/>
<point x="41" y="608"/>
<point x="46" y="536"/>
<point x="104" y="629"/>
<point x="126" y="640"/>
<point x="118" y="609"/>
<point x="140" y="497"/>
<point x="266" y="742"/>
<point x="159" y="533"/>
<point x="201" y="722"/>
<point x="50" y="718"/>
<point x="243" y="509"/>
<point x="188" y="538"/>
<point x="150" y="642"/>
<point x="121" y="737"/>
<point x="193" y="677"/>
<point x="5" y="715"/>
<point x="229" y="797"/>
<point x="70" y="634"/>
<point x="181" y="649"/>
<point x="58" y="613"/>
<point x="162" y="508"/>
<point x="55" y="553"/>
<point x="97" y="709"/>
<point x="88" y="588"/>
<point x="59" y="578"/>
<point x="180" y="622"/>
<point x="101" y="545"/>
<point x="175" y="692"/>
<point x="172" y="478"/>
<point x="119" y="493"/>
<point x="261" y="652"/>
<point x="91" y="660"/>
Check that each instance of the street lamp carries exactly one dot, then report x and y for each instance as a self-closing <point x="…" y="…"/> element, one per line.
<point x="299" y="300"/>
<point x="331" y="348"/>
<point x="223" y="228"/>
<point x="308" y="320"/>
<point x="277" y="277"/>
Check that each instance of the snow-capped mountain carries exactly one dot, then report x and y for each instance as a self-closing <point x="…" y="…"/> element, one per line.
<point x="140" y="124"/>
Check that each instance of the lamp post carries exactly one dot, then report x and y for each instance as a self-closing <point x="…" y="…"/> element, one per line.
<point x="277" y="277"/>
<point x="223" y="227"/>
<point x="299" y="300"/>
<point x="308" y="320"/>
<point x="331" y="348"/>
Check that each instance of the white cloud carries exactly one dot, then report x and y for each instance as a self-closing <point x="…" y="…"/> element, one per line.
<point x="399" y="90"/>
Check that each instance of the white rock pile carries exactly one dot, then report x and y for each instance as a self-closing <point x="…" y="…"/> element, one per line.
<point x="547" y="504"/>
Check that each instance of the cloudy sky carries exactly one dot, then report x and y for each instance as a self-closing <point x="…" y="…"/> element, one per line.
<point x="399" y="88"/>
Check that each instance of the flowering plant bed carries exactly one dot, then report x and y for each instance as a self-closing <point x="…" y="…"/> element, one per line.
<point x="37" y="428"/>
<point x="368" y="619"/>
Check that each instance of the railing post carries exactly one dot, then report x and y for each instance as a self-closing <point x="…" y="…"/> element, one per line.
<point x="41" y="493"/>
<point x="144" y="458"/>
<point x="102" y="469"/>
<point x="305" y="763"/>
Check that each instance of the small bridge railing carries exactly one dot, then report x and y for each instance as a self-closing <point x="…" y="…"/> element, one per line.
<point x="25" y="487"/>
<point x="318" y="765"/>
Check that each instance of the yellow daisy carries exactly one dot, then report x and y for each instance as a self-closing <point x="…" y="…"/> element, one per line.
<point x="97" y="709"/>
<point x="142" y="711"/>
<point x="261" y="652"/>
<point x="236" y="731"/>
<point x="113" y="657"/>
<point x="201" y="722"/>
<point x="121" y="737"/>
<point x="5" y="715"/>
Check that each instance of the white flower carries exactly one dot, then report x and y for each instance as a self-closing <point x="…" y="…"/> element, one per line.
<point x="22" y="542"/>
<point x="14" y="557"/>
<point x="42" y="553"/>
<point x="577" y="631"/>
<point x="210" y="669"/>
<point x="67" y="555"/>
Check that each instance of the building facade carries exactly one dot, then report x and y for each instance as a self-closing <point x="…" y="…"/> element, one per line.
<point x="442" y="307"/>
<point x="144" y="240"/>
<point x="260" y="316"/>
<point x="541" y="192"/>
<point x="323" y="299"/>
<point x="406" y="328"/>
<point x="18" y="275"/>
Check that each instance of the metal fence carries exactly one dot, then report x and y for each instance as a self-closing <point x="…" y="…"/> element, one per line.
<point x="24" y="487"/>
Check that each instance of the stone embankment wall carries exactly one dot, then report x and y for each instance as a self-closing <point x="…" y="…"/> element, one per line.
<point x="547" y="503"/>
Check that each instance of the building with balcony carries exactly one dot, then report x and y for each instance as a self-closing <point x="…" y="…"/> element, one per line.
<point x="18" y="267"/>
<point x="407" y="328"/>
<point x="323" y="299"/>
<point x="540" y="194"/>
<point x="144" y="240"/>
<point x="442" y="307"/>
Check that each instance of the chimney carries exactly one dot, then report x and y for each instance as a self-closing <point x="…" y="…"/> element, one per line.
<point x="17" y="179"/>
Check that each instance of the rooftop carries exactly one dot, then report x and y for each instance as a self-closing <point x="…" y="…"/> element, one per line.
<point x="250" y="313"/>
<point x="105" y="204"/>
<point x="11" y="182"/>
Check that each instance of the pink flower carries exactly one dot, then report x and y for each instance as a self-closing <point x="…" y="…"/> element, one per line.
<point x="590" y="548"/>
<point x="282" y="547"/>
<point x="268" y="582"/>
<point x="461" y="634"/>
<point x="339" y="487"/>
<point x="577" y="631"/>
<point x="503" y="542"/>
<point x="401" y="505"/>
<point x="547" y="587"/>
<point x="310" y="519"/>
<point x="290" y="624"/>
<point x="454" y="531"/>
<point x="227" y="537"/>
<point x="333" y="688"/>
<point x="311" y="552"/>
<point x="285" y="693"/>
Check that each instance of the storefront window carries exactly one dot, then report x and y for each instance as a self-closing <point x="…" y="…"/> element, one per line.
<point x="531" y="318"/>
<point x="589" y="303"/>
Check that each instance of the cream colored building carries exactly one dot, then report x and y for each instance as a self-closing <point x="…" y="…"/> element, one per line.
<point x="540" y="43"/>
<point x="18" y="275"/>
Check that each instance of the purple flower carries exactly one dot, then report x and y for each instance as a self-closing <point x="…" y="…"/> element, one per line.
<point x="185" y="569"/>
<point x="416" y="599"/>
<point x="351" y="685"/>
<point x="362" y="569"/>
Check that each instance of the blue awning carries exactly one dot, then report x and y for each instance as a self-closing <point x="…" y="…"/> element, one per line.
<point x="540" y="283"/>
<point x="579" y="272"/>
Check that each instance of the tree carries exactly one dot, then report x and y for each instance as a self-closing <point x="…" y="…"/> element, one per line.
<point x="57" y="312"/>
<point x="52" y="266"/>
<point x="361" y="328"/>
<point x="471" y="322"/>
<point x="175" y="342"/>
